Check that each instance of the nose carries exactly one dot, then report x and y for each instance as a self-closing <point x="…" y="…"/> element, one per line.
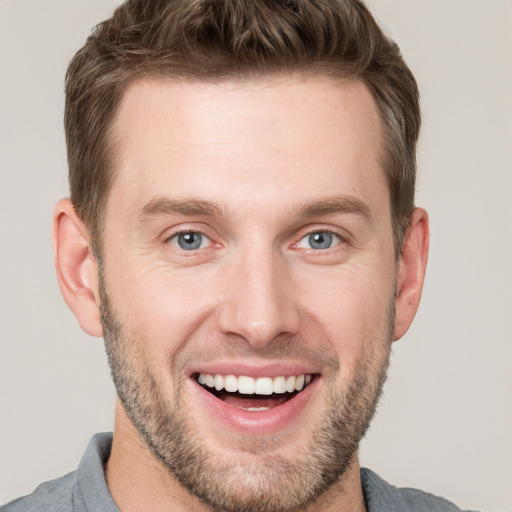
<point x="259" y="301"/>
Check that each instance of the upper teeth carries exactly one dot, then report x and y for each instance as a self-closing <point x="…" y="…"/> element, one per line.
<point x="260" y="386"/>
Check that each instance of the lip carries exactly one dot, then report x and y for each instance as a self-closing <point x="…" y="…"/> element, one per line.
<point x="249" y="422"/>
<point x="273" y="370"/>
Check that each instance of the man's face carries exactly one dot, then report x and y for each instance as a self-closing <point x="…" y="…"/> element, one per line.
<point x="248" y="249"/>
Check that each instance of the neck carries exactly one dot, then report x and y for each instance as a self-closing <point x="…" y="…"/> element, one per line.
<point x="137" y="480"/>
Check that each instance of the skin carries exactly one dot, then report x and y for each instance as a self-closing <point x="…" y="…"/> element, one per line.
<point x="269" y="155"/>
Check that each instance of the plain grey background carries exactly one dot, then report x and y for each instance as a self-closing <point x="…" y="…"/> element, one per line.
<point x="445" y="421"/>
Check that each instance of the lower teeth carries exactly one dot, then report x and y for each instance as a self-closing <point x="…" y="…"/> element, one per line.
<point x="256" y="409"/>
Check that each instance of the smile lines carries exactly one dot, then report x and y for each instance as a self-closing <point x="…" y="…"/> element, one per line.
<point x="249" y="386"/>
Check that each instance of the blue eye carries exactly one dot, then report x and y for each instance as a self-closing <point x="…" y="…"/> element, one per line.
<point x="189" y="240"/>
<point x="319" y="240"/>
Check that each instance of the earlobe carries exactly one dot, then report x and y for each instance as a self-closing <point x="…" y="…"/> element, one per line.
<point x="76" y="267"/>
<point x="411" y="272"/>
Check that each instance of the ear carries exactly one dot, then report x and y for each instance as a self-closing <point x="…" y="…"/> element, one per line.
<point x="411" y="272"/>
<point x="77" y="269"/>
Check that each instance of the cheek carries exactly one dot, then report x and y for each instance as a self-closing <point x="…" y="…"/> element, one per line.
<point x="160" y="309"/>
<point x="351" y="306"/>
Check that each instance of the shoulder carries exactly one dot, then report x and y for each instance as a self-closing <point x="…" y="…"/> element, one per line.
<point x="381" y="496"/>
<point x="83" y="490"/>
<point x="53" y="496"/>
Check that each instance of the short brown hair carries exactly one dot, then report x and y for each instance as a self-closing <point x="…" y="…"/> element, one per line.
<point x="234" y="39"/>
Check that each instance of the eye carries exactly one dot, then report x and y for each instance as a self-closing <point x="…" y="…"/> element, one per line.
<point x="189" y="240"/>
<point x="319" y="240"/>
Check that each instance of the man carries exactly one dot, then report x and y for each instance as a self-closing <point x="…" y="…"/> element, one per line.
<point x="242" y="232"/>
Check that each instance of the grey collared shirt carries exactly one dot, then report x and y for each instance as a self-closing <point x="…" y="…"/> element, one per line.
<point x="85" y="490"/>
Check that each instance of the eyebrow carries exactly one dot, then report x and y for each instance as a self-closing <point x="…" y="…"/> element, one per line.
<point x="337" y="205"/>
<point x="161" y="206"/>
<point x="167" y="206"/>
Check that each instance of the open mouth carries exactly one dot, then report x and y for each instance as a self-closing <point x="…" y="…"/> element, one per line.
<point x="254" y="394"/>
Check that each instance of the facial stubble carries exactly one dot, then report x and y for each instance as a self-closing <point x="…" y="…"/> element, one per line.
<point x="263" y="482"/>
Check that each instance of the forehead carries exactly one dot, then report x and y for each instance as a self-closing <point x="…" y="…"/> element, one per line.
<point x="275" y="139"/>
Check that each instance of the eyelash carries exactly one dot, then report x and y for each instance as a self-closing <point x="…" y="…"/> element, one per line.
<point x="175" y="236"/>
<point x="331" y="236"/>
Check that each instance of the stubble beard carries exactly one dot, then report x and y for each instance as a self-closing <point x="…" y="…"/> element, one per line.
<point x="263" y="482"/>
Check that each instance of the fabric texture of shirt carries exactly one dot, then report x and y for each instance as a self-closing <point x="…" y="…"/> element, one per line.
<point x="85" y="490"/>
